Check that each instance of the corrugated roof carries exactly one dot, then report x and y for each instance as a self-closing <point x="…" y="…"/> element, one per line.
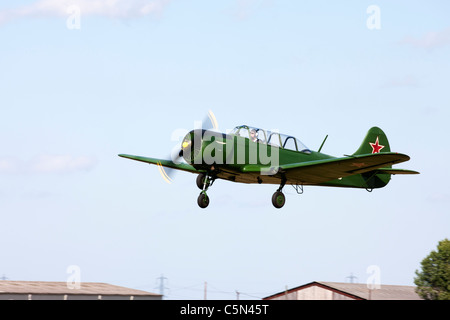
<point x="384" y="292"/>
<point x="360" y="291"/>
<point x="86" y="288"/>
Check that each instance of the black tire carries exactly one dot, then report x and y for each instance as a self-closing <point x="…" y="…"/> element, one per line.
<point x="200" y="180"/>
<point x="203" y="200"/>
<point x="278" y="199"/>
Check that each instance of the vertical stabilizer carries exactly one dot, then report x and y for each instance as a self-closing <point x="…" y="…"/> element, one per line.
<point x="374" y="142"/>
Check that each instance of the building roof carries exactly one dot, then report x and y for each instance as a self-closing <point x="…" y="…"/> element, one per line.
<point x="85" y="288"/>
<point x="385" y="292"/>
<point x="360" y="291"/>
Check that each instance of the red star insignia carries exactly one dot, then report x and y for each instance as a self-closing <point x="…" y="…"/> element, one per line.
<point x="376" y="147"/>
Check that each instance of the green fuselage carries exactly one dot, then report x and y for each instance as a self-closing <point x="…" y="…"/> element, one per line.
<point x="239" y="159"/>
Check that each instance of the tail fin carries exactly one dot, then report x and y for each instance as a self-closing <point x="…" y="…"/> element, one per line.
<point x="374" y="142"/>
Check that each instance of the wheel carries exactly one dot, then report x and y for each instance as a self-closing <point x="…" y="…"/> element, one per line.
<point x="200" y="180"/>
<point x="203" y="200"/>
<point x="278" y="199"/>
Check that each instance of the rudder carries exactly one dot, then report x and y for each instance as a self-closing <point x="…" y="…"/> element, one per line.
<point x="375" y="141"/>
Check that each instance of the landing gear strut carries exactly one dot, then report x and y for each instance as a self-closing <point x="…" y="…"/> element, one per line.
<point x="203" y="181"/>
<point x="278" y="198"/>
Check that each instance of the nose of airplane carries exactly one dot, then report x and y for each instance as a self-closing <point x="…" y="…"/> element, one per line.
<point x="191" y="145"/>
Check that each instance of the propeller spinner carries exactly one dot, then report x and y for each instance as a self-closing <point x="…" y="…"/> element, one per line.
<point x="208" y="123"/>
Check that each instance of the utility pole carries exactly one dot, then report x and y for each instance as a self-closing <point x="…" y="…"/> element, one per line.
<point x="237" y="295"/>
<point x="205" y="290"/>
<point x="351" y="277"/>
<point x="161" y="285"/>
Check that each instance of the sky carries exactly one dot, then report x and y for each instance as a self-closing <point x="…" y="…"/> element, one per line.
<point x="83" y="81"/>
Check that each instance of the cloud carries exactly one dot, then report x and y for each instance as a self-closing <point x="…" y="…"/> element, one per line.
<point x="244" y="8"/>
<point x="62" y="164"/>
<point x="429" y="40"/>
<point x="47" y="164"/>
<point x="121" y="9"/>
<point x="8" y="165"/>
<point x="406" y="81"/>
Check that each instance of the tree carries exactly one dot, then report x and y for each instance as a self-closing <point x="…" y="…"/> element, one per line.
<point x="433" y="282"/>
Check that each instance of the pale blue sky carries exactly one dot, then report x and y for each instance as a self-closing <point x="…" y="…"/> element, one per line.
<point x="138" y="70"/>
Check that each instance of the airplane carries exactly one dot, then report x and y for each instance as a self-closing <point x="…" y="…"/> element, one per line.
<point x="253" y="155"/>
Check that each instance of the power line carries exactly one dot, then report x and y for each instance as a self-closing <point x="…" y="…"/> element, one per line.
<point x="206" y="288"/>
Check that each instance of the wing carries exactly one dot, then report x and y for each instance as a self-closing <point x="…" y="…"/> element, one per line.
<point x="320" y="171"/>
<point x="164" y="163"/>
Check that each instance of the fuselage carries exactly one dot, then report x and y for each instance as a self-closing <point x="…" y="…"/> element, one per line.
<point x="239" y="159"/>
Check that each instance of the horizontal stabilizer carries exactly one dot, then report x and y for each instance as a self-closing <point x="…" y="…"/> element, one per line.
<point x="321" y="171"/>
<point x="396" y="171"/>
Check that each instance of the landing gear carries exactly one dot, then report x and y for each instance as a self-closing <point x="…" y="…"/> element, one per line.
<point x="204" y="181"/>
<point x="203" y="200"/>
<point x="278" y="198"/>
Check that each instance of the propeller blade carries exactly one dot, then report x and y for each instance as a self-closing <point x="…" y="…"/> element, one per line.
<point x="210" y="121"/>
<point x="168" y="174"/>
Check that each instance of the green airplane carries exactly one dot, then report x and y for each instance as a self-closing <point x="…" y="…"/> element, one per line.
<point x="253" y="155"/>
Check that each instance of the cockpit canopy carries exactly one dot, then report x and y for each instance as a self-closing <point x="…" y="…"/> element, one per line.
<point x="272" y="138"/>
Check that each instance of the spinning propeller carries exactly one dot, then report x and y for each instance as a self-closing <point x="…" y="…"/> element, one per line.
<point x="209" y="122"/>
